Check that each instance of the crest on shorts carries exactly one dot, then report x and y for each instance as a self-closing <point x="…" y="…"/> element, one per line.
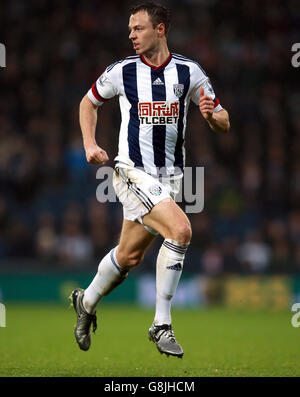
<point x="178" y="89"/>
<point x="155" y="190"/>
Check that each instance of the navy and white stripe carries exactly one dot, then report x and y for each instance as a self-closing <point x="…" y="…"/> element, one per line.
<point x="110" y="67"/>
<point x="142" y="196"/>
<point x="183" y="58"/>
<point x="115" y="263"/>
<point x="179" y="249"/>
<point x="158" y="131"/>
<point x="183" y="78"/>
<point x="130" y="87"/>
<point x="148" y="142"/>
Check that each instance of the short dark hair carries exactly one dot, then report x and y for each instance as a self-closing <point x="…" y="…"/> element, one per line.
<point x="157" y="13"/>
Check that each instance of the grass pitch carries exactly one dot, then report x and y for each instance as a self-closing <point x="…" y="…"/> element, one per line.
<point x="38" y="341"/>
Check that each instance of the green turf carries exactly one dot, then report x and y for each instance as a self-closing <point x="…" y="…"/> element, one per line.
<point x="39" y="341"/>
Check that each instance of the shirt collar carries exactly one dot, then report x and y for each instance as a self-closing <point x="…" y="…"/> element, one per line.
<point x="162" y="66"/>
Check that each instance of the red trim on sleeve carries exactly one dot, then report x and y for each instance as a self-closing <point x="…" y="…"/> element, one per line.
<point x="96" y="94"/>
<point x="217" y="102"/>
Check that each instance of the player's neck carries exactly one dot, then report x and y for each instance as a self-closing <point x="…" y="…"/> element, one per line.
<point x="158" y="57"/>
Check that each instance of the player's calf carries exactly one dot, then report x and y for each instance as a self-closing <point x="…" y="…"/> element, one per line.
<point x="128" y="260"/>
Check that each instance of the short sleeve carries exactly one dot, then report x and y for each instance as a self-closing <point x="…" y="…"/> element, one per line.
<point x="200" y="79"/>
<point x="104" y="88"/>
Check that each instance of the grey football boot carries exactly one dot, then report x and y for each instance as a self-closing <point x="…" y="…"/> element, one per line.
<point x="84" y="320"/>
<point x="164" y="338"/>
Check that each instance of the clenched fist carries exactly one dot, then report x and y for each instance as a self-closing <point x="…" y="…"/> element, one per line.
<point x="206" y="105"/>
<point x="96" y="155"/>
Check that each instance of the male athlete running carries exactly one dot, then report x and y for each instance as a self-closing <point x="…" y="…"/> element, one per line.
<point x="154" y="88"/>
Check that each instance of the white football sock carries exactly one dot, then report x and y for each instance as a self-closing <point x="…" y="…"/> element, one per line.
<point x="110" y="274"/>
<point x="169" y="267"/>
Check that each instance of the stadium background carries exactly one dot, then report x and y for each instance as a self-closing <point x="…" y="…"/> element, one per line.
<point x="245" y="248"/>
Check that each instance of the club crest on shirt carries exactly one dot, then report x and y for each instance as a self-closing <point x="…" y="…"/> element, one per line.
<point x="178" y="89"/>
<point x="155" y="190"/>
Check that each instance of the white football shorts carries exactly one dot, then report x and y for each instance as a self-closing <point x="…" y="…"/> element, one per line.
<point x="139" y="192"/>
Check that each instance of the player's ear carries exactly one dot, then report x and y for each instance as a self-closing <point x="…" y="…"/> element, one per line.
<point x="161" y="29"/>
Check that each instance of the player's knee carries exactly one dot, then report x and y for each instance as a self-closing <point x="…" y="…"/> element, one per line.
<point x="183" y="233"/>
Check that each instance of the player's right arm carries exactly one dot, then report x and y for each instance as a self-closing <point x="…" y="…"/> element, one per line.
<point x="101" y="91"/>
<point x="88" y="113"/>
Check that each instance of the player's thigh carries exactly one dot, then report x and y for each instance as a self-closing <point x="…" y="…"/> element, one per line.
<point x="134" y="241"/>
<point x="170" y="221"/>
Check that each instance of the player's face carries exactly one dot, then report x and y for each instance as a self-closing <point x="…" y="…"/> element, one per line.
<point x="142" y="34"/>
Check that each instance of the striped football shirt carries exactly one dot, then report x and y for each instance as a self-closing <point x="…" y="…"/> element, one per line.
<point x="154" y="103"/>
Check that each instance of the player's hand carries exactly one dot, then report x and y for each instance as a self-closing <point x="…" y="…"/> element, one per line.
<point x="96" y="155"/>
<point x="206" y="105"/>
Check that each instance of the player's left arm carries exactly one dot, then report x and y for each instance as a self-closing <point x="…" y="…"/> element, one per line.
<point x="218" y="121"/>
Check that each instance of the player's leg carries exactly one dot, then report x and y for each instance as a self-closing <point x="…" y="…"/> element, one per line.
<point x="134" y="241"/>
<point x="171" y="222"/>
<point x="114" y="267"/>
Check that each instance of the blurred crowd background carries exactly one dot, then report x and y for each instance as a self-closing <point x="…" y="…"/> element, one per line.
<point x="49" y="214"/>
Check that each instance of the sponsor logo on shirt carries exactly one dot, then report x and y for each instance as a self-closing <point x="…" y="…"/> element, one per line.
<point x="158" y="113"/>
<point x="157" y="82"/>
